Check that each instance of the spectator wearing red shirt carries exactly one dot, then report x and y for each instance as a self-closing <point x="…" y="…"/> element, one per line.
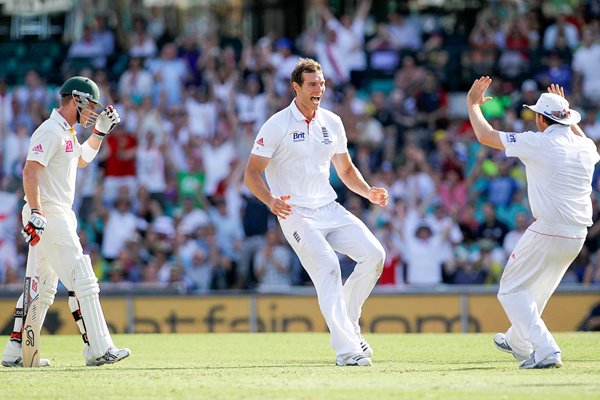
<point x="119" y="166"/>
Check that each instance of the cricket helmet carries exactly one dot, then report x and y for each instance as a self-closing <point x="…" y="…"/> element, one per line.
<point x="83" y="91"/>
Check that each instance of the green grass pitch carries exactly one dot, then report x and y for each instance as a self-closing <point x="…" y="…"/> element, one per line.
<point x="301" y="366"/>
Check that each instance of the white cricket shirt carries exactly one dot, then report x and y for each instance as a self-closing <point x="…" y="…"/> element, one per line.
<point x="300" y="153"/>
<point x="559" y="166"/>
<point x="55" y="146"/>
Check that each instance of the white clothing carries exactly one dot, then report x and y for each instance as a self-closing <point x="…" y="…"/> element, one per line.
<point x="55" y="146"/>
<point x="559" y="167"/>
<point x="217" y="164"/>
<point x="202" y="118"/>
<point x="150" y="169"/>
<point x="585" y="62"/>
<point x="300" y="153"/>
<point x="534" y="270"/>
<point x="316" y="234"/>
<point x="119" y="228"/>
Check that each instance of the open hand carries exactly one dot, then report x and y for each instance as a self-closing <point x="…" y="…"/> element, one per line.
<point x="475" y="95"/>
<point x="280" y="207"/>
<point x="556" y="89"/>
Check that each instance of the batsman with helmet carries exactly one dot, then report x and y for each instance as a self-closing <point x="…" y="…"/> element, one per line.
<point x="50" y="225"/>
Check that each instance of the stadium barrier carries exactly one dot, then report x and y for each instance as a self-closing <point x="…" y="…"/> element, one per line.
<point x="440" y="309"/>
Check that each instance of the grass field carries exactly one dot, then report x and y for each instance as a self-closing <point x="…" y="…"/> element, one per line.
<point x="301" y="366"/>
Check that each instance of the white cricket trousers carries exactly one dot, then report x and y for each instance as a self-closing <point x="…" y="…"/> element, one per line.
<point x="315" y="235"/>
<point x="534" y="270"/>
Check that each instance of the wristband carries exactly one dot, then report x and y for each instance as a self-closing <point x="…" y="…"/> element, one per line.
<point x="36" y="211"/>
<point x="88" y="153"/>
<point x="98" y="134"/>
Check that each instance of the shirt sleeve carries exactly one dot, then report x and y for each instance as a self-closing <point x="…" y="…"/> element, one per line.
<point x="521" y="145"/>
<point x="42" y="146"/>
<point x="341" y="145"/>
<point x="268" y="139"/>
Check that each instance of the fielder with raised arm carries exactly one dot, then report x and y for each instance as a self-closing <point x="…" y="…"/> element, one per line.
<point x="295" y="149"/>
<point x="559" y="163"/>
<point x="49" y="183"/>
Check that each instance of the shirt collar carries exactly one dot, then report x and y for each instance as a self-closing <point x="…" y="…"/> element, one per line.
<point x="298" y="114"/>
<point x="558" y="128"/>
<point x="60" y="119"/>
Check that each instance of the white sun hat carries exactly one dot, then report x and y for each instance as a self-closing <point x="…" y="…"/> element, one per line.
<point x="556" y="108"/>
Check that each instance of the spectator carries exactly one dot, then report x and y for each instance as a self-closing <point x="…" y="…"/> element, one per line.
<point x="89" y="47"/>
<point x="272" y="264"/>
<point x="135" y="83"/>
<point x="585" y="66"/>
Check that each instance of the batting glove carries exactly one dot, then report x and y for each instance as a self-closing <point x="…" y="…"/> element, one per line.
<point x="106" y="122"/>
<point x="33" y="230"/>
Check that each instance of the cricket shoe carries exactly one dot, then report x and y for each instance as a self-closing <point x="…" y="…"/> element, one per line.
<point x="552" y="361"/>
<point x="366" y="348"/>
<point x="354" y="359"/>
<point x="111" y="356"/>
<point x="502" y="345"/>
<point x="18" y="362"/>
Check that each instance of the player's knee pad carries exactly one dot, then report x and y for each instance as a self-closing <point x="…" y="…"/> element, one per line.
<point x="85" y="283"/>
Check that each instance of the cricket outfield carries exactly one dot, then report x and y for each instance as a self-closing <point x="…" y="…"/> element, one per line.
<point x="301" y="366"/>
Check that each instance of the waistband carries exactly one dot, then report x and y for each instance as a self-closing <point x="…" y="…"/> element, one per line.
<point x="569" y="231"/>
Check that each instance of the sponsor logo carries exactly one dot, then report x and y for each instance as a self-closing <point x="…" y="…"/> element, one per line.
<point x="298" y="136"/>
<point x="38" y="149"/>
<point x="296" y="236"/>
<point x="511" y="137"/>
<point x="69" y="146"/>
<point x="325" y="136"/>
<point x="260" y="142"/>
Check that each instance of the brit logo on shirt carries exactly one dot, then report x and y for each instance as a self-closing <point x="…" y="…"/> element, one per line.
<point x="68" y="146"/>
<point x="298" y="136"/>
<point x="325" y="136"/>
<point x="511" y="137"/>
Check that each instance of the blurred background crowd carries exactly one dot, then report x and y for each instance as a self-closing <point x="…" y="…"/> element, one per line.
<point x="165" y="205"/>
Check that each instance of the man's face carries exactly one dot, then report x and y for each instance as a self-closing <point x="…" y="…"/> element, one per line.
<point x="311" y="92"/>
<point x="87" y="112"/>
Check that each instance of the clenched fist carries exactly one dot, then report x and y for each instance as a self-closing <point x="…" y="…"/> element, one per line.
<point x="106" y="122"/>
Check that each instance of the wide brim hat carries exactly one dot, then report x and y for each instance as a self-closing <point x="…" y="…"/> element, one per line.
<point x="556" y="108"/>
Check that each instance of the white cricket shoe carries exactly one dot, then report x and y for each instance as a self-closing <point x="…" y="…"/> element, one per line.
<point x="552" y="361"/>
<point x="502" y="345"/>
<point x="111" y="356"/>
<point x="18" y="362"/>
<point x="354" y="359"/>
<point x="12" y="356"/>
<point x="366" y="348"/>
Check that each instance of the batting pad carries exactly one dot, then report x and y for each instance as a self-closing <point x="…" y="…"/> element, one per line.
<point x="87" y="290"/>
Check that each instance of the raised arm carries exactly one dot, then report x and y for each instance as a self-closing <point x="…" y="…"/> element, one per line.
<point x="559" y="90"/>
<point x="483" y="130"/>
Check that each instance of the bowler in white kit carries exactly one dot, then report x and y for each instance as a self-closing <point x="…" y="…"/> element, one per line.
<point x="295" y="149"/>
<point x="50" y="225"/>
<point x="559" y="163"/>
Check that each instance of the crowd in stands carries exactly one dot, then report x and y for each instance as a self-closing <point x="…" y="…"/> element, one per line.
<point x="164" y="205"/>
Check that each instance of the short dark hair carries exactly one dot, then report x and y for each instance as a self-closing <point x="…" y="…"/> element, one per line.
<point x="549" y="121"/>
<point x="304" y="65"/>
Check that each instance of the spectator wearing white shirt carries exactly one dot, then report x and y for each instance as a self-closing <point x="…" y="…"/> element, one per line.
<point x="272" y="264"/>
<point x="561" y="27"/>
<point x="585" y="66"/>
<point x="120" y="224"/>
<point x="150" y="168"/>
<point x="136" y="82"/>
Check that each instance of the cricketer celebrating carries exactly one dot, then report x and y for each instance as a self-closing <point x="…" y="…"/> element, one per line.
<point x="49" y="184"/>
<point x="559" y="163"/>
<point x="295" y="149"/>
